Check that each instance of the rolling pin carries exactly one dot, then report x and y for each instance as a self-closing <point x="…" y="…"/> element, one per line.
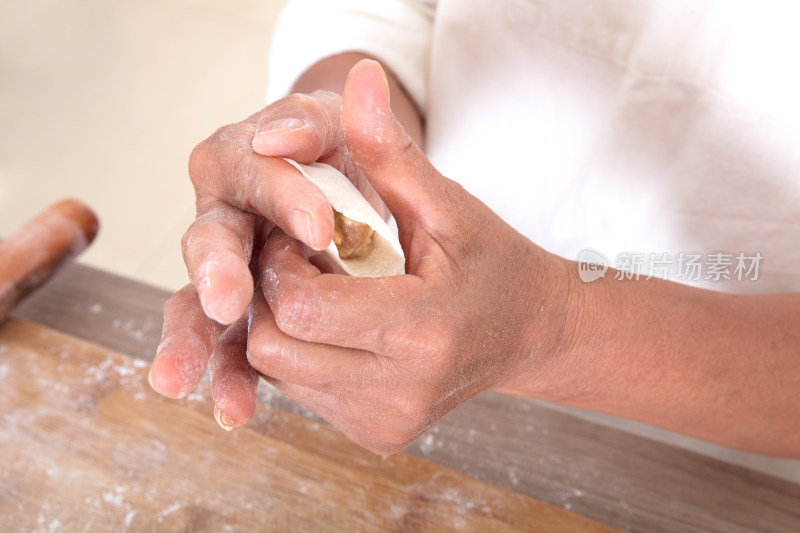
<point x="33" y="254"/>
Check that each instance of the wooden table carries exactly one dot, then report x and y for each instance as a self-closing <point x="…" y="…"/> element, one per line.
<point x="86" y="446"/>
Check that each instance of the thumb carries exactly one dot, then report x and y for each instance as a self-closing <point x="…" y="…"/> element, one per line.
<point x="386" y="155"/>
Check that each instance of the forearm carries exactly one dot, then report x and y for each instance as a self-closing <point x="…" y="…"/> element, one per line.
<point x="720" y="367"/>
<point x="330" y="73"/>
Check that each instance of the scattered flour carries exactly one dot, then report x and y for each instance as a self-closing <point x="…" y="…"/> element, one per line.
<point x="168" y="511"/>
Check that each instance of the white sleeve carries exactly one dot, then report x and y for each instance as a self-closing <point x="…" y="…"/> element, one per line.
<point x="396" y="32"/>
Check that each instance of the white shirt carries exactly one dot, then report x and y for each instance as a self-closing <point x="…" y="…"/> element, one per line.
<point x="631" y="127"/>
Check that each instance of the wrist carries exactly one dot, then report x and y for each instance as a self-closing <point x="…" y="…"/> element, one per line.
<point x="557" y="337"/>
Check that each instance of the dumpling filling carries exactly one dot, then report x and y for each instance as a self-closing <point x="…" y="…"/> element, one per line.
<point x="353" y="239"/>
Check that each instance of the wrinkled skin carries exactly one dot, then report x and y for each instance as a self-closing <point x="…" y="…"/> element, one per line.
<point x="381" y="358"/>
<point x="480" y="306"/>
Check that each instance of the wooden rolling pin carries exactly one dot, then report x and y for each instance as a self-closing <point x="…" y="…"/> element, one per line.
<point x="33" y="254"/>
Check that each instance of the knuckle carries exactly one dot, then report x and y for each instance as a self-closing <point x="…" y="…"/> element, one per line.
<point x="319" y="106"/>
<point x="186" y="240"/>
<point x="248" y="191"/>
<point x="260" y="352"/>
<point x="199" y="160"/>
<point x="314" y="101"/>
<point x="410" y="420"/>
<point x="440" y="346"/>
<point x="429" y="341"/>
<point x="301" y="100"/>
<point x="412" y="414"/>
<point x="215" y="154"/>
<point x="268" y="353"/>
<point x="294" y="313"/>
<point x="300" y="105"/>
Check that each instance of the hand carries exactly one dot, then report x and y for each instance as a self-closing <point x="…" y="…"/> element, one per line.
<point x="383" y="358"/>
<point x="244" y="188"/>
<point x="237" y="183"/>
<point x="481" y="307"/>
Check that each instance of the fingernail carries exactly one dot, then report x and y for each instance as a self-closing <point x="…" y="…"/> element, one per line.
<point x="282" y="125"/>
<point x="223" y="420"/>
<point x="300" y="221"/>
<point x="270" y="139"/>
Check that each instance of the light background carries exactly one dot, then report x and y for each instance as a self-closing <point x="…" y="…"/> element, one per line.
<point x="104" y="100"/>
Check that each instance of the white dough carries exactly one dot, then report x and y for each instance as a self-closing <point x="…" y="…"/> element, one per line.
<point x="386" y="258"/>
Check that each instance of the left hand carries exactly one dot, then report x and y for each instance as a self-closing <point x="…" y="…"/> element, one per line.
<point x="383" y="358"/>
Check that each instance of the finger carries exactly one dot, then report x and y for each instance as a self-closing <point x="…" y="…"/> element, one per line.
<point x="187" y="340"/>
<point x="308" y="128"/>
<point x="309" y="306"/>
<point x="303" y="127"/>
<point x="397" y="168"/>
<point x="217" y="249"/>
<point x="233" y="380"/>
<point x="226" y="168"/>
<point x="319" y="367"/>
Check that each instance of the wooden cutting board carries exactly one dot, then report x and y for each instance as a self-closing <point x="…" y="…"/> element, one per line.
<point x="85" y="445"/>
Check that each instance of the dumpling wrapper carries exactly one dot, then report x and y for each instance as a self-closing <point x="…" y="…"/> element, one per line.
<point x="386" y="257"/>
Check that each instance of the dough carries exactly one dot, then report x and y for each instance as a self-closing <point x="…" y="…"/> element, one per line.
<point x="386" y="257"/>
